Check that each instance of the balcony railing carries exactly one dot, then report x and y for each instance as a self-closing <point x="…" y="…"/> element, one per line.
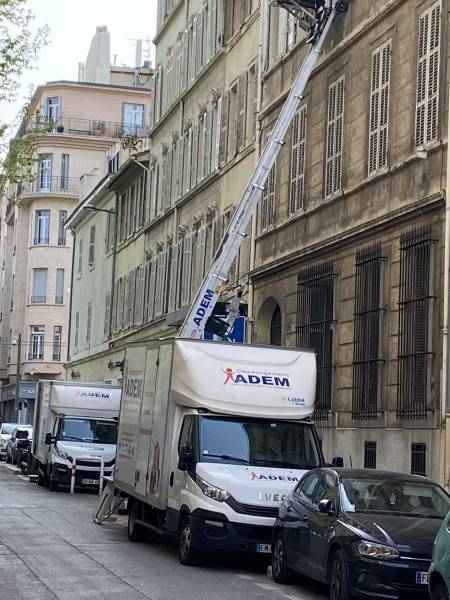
<point x="46" y="184"/>
<point x="75" y="126"/>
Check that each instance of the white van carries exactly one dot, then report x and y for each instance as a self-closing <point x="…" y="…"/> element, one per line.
<point x="74" y="423"/>
<point x="212" y="436"/>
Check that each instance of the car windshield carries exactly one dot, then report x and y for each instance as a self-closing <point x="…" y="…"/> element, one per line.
<point x="7" y="428"/>
<point x="87" y="430"/>
<point x="396" y="497"/>
<point x="282" y="444"/>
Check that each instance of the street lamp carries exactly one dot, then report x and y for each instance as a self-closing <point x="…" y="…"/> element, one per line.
<point x="111" y="211"/>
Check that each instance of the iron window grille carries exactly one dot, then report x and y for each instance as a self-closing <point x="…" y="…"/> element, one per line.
<point x="315" y="321"/>
<point x="370" y="455"/>
<point x="415" y="322"/>
<point x="275" y="327"/>
<point x="367" y="333"/>
<point x="418" y="459"/>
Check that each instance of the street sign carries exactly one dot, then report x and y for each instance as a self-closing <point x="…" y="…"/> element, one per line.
<point x="236" y="334"/>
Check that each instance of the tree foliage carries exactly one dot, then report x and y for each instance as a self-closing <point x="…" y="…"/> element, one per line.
<point x="20" y="44"/>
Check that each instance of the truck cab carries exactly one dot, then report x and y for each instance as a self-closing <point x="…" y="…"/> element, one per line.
<point x="229" y="475"/>
<point x="84" y="440"/>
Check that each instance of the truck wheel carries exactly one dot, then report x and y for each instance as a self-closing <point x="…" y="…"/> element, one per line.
<point x="52" y="485"/>
<point x="40" y="477"/>
<point x="136" y="533"/>
<point x="439" y="592"/>
<point x="187" y="555"/>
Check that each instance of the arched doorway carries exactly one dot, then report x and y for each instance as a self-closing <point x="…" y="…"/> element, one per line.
<point x="275" y="327"/>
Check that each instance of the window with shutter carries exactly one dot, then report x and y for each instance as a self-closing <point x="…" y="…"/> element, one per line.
<point x="201" y="148"/>
<point x="241" y="110"/>
<point x="428" y="64"/>
<point x="151" y="289"/>
<point x="139" y="303"/>
<point x="199" y="51"/>
<point x="335" y="137"/>
<point x="174" y="174"/>
<point x="298" y="151"/>
<point x="212" y="28"/>
<point x="208" y="137"/>
<point x="107" y="314"/>
<point x="199" y="263"/>
<point x="218" y="231"/>
<point x="233" y="121"/>
<point x="252" y="103"/>
<point x="282" y="31"/>
<point x="92" y="246"/>
<point x="268" y="201"/>
<point x="174" y="279"/>
<point x="233" y="273"/>
<point x="187" y="160"/>
<point x="179" y="79"/>
<point x="379" y="107"/>
<point x="168" y="192"/>
<point x="185" y="77"/>
<point x="186" y="270"/>
<point x="195" y="159"/>
<point x="160" y="283"/>
<point x="223" y="138"/>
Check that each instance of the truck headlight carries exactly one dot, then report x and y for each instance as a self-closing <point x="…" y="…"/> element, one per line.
<point x="62" y="453"/>
<point x="378" y="551"/>
<point x="212" y="491"/>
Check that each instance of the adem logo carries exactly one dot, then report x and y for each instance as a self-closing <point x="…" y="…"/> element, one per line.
<point x="240" y="378"/>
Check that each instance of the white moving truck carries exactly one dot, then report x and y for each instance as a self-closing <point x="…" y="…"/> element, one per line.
<point x="74" y="423"/>
<point x="212" y="436"/>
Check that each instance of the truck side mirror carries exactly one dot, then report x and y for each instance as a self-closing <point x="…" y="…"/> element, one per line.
<point x="186" y="460"/>
<point x="338" y="461"/>
<point x="49" y="439"/>
<point x="326" y="506"/>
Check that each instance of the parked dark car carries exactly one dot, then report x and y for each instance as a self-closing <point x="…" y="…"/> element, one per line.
<point x="18" y="443"/>
<point x="366" y="533"/>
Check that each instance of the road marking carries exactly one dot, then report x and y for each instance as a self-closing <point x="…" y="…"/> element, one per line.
<point x="246" y="577"/>
<point x="13" y="468"/>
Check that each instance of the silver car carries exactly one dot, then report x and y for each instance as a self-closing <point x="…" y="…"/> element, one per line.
<point x="6" y="430"/>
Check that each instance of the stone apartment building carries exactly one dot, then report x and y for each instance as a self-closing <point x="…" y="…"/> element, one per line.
<point x="351" y="253"/>
<point x="89" y="122"/>
<point x="348" y="253"/>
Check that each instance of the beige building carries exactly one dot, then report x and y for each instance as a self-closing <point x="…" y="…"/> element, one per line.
<point x="172" y="214"/>
<point x="89" y="122"/>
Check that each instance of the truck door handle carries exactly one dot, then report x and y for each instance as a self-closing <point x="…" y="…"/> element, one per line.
<point x="171" y="478"/>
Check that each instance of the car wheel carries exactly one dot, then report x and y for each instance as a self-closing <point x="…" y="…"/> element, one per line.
<point x="136" y="533"/>
<point x="187" y="554"/>
<point x="281" y="573"/>
<point x="52" y="485"/>
<point x="339" y="584"/>
<point x="439" y="592"/>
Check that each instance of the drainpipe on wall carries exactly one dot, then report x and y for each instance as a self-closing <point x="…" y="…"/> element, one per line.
<point x="264" y="8"/>
<point x="113" y="268"/>
<point x="445" y="396"/>
<point x="72" y="230"/>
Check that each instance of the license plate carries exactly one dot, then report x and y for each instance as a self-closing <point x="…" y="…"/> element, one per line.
<point x="422" y="577"/>
<point x="264" y="548"/>
<point x="89" y="481"/>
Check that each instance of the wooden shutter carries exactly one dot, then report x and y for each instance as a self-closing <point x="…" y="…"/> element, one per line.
<point x="207" y="149"/>
<point x="241" y="110"/>
<point x="174" y="279"/>
<point x="152" y="290"/>
<point x="218" y="231"/>
<point x="379" y="107"/>
<point x="199" y="259"/>
<point x="335" y="135"/>
<point x="187" y="160"/>
<point x="186" y="270"/>
<point x="107" y="314"/>
<point x="254" y="102"/>
<point x="194" y="168"/>
<point x="223" y="138"/>
<point x="268" y="200"/>
<point x="139" y="303"/>
<point x="297" y="183"/>
<point x="282" y="31"/>
<point x="428" y="75"/>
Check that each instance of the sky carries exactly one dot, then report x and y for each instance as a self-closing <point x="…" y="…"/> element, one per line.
<point x="72" y="24"/>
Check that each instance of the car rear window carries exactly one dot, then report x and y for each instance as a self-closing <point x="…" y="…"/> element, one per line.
<point x="7" y="428"/>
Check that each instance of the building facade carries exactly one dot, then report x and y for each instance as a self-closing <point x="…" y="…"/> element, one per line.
<point x="87" y="122"/>
<point x="171" y="215"/>
<point x="348" y="252"/>
<point x="351" y="252"/>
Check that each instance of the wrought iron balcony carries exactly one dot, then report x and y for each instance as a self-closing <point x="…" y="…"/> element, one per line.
<point x="112" y="129"/>
<point x="46" y="184"/>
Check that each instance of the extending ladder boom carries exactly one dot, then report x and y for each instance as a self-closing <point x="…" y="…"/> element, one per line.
<point x="208" y="293"/>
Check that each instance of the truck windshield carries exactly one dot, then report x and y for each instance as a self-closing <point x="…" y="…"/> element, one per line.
<point x="283" y="444"/>
<point x="87" y="430"/>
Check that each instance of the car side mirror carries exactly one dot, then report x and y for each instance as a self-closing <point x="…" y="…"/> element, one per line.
<point x="49" y="439"/>
<point x="326" y="506"/>
<point x="186" y="459"/>
<point x="337" y="461"/>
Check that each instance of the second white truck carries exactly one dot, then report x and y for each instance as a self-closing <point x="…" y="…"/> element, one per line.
<point x="74" y="424"/>
<point x="212" y="436"/>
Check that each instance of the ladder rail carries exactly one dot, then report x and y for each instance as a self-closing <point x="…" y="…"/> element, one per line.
<point x="209" y="291"/>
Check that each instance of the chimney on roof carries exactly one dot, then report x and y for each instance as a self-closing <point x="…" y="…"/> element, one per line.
<point x="96" y="67"/>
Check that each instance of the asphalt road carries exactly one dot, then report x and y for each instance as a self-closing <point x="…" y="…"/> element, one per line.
<point x="50" y="549"/>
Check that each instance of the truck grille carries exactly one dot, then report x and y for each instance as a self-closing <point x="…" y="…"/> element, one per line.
<point x="252" y="509"/>
<point x="94" y="463"/>
<point x="255" y="533"/>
